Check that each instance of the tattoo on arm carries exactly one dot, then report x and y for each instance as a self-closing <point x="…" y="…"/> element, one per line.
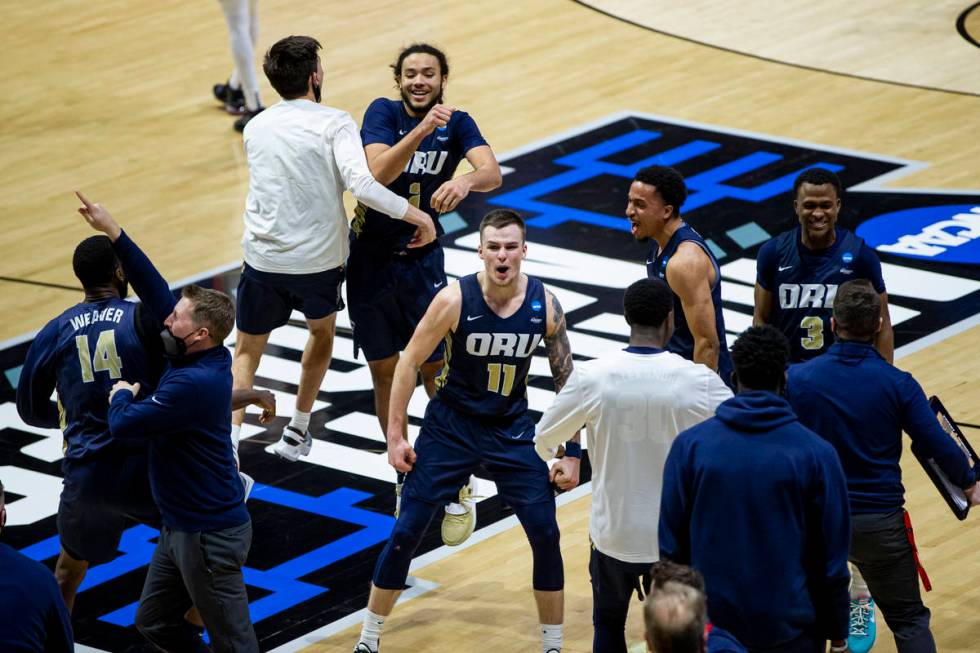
<point x="559" y="351"/>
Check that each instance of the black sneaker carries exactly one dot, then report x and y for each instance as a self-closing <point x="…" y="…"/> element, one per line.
<point x="246" y="116"/>
<point x="233" y="99"/>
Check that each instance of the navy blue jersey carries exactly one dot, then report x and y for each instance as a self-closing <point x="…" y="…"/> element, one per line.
<point x="804" y="283"/>
<point x="488" y="356"/>
<point x="82" y="353"/>
<point x="432" y="164"/>
<point x="682" y="342"/>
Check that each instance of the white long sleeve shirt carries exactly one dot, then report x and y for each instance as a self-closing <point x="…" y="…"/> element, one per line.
<point x="301" y="156"/>
<point x="633" y="405"/>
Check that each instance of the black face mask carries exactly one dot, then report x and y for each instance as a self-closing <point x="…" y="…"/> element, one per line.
<point x="316" y="92"/>
<point x="173" y="347"/>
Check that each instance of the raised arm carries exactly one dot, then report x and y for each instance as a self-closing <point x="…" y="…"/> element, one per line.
<point x="689" y="274"/>
<point x="485" y="176"/>
<point x="151" y="287"/>
<point x="349" y="156"/>
<point x="439" y="320"/>
<point x="387" y="159"/>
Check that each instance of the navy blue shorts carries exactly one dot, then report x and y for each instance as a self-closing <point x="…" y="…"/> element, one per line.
<point x="452" y="445"/>
<point x="389" y="294"/>
<point x="102" y="497"/>
<point x="266" y="299"/>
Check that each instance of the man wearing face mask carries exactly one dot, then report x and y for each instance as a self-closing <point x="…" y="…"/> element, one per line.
<point x="206" y="531"/>
<point x="81" y="354"/>
<point x="301" y="156"/>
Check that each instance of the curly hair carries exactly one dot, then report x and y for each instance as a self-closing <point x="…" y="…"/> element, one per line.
<point x="420" y="48"/>
<point x="668" y="182"/>
<point x="664" y="571"/>
<point x="759" y="356"/>
<point x="817" y="177"/>
<point x="94" y="261"/>
<point x="647" y="302"/>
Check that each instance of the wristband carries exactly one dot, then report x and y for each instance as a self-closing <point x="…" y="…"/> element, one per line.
<point x="838" y="649"/>
<point x="573" y="449"/>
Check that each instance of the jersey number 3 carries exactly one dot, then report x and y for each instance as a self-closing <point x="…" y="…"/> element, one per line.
<point x="105" y="358"/>
<point x="814" y="332"/>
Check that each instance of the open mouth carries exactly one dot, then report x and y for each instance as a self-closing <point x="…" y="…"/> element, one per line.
<point x="502" y="270"/>
<point x="420" y="94"/>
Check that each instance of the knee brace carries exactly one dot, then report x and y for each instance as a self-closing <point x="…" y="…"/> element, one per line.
<point x="391" y="569"/>
<point x="541" y="527"/>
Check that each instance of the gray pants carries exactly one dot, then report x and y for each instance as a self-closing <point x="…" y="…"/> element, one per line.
<point x="204" y="570"/>
<point x="881" y="550"/>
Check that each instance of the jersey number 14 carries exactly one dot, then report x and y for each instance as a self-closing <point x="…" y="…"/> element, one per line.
<point x="105" y="359"/>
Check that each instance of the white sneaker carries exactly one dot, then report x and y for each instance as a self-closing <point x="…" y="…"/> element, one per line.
<point x="247" y="482"/>
<point x="293" y="444"/>
<point x="460" y="518"/>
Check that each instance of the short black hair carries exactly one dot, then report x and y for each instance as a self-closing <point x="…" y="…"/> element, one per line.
<point x="421" y="48"/>
<point x="289" y="63"/>
<point x="668" y="182"/>
<point x="94" y="261"/>
<point x="817" y="177"/>
<point x="759" y="356"/>
<point x="664" y="571"/>
<point x="500" y="218"/>
<point x="857" y="308"/>
<point x="647" y="302"/>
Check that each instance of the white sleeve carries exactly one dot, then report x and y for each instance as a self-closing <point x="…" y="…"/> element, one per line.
<point x="718" y="392"/>
<point x="566" y="414"/>
<point x="348" y="153"/>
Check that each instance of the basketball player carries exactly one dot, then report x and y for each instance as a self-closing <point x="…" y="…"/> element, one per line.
<point x="240" y="96"/>
<point x="803" y="267"/>
<point x="81" y="353"/>
<point x="679" y="256"/>
<point x="492" y="322"/>
<point x="301" y="157"/>
<point x="861" y="404"/>
<point x="634" y="402"/>
<point x="413" y="146"/>
<point x="798" y="271"/>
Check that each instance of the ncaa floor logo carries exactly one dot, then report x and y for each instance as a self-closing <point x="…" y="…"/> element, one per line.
<point x="320" y="523"/>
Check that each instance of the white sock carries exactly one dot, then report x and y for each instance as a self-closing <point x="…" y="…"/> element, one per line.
<point x="859" y="587"/>
<point x="551" y="637"/>
<point x="239" y="20"/>
<point x="236" y="434"/>
<point x="300" y="421"/>
<point x="371" y="629"/>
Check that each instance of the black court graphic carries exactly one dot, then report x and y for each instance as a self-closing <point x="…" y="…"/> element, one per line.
<point x="320" y="523"/>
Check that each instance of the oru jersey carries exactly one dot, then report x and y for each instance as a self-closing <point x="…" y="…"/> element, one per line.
<point x="804" y="282"/>
<point x="488" y="357"/>
<point x="682" y="342"/>
<point x="431" y="165"/>
<point x="82" y="353"/>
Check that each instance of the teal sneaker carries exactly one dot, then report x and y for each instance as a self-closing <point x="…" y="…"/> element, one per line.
<point x="861" y="629"/>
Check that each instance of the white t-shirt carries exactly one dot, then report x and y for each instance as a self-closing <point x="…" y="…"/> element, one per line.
<point x="301" y="156"/>
<point x="633" y="406"/>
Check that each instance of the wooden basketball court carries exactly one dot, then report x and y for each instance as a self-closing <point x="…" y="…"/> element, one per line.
<point x="114" y="98"/>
